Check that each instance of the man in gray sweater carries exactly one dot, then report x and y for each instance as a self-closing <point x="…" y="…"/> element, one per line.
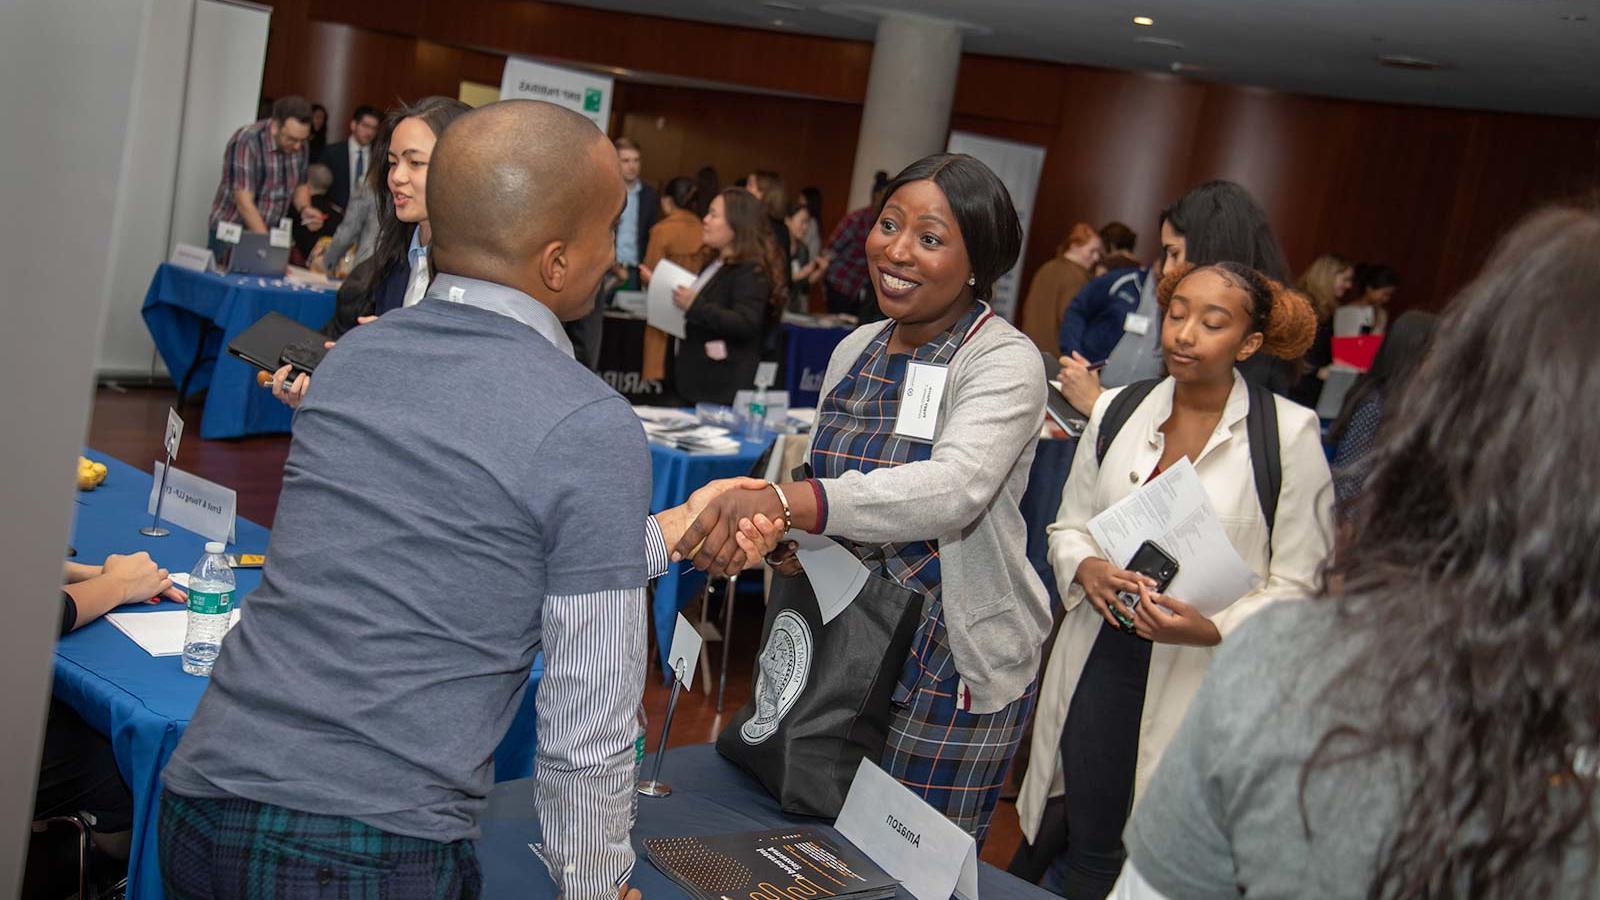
<point x="460" y="494"/>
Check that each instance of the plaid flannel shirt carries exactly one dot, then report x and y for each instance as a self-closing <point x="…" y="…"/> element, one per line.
<point x="847" y="274"/>
<point x="254" y="163"/>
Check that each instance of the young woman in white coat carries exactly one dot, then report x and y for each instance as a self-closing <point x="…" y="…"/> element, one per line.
<point x="1111" y="700"/>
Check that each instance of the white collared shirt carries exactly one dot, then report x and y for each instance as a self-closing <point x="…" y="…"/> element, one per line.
<point x="365" y="155"/>
<point x="417" y="287"/>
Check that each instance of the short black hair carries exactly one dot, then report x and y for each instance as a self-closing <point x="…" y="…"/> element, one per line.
<point x="1117" y="236"/>
<point x="291" y="107"/>
<point x="1220" y="222"/>
<point x="1374" y="276"/>
<point x="365" y="110"/>
<point x="983" y="210"/>
<point x="682" y="191"/>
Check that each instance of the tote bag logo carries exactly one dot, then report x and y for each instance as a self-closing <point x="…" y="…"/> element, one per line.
<point x="784" y="667"/>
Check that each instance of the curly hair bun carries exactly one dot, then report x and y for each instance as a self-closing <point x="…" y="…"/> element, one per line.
<point x="1292" y="326"/>
<point x="1291" y="321"/>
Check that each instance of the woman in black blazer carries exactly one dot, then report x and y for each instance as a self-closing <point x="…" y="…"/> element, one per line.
<point x="729" y="310"/>
<point x="399" y="264"/>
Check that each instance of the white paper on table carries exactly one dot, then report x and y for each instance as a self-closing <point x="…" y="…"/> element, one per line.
<point x="660" y="311"/>
<point x="159" y="633"/>
<point x="836" y="575"/>
<point x="1174" y="511"/>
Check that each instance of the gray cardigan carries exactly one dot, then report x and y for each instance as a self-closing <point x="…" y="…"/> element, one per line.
<point x="967" y="497"/>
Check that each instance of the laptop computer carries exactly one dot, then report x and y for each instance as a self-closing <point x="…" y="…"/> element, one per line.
<point x="255" y="255"/>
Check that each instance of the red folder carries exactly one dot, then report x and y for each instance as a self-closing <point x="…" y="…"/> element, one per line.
<point x="1357" y="352"/>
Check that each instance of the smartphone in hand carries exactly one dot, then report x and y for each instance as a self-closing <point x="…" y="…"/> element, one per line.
<point x="1154" y="563"/>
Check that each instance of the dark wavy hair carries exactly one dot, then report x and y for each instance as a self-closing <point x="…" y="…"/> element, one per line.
<point x="1221" y="222"/>
<point x="982" y="206"/>
<point x="1470" y="585"/>
<point x="753" y="242"/>
<point x="394" y="236"/>
<point x="1398" y="356"/>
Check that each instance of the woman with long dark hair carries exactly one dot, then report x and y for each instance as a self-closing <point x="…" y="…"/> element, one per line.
<point x="737" y="299"/>
<point x="397" y="273"/>
<point x="1216" y="222"/>
<point x="940" y="516"/>
<point x="1356" y="430"/>
<point x="1428" y="727"/>
<point x="1367" y="312"/>
<point x="1120" y="675"/>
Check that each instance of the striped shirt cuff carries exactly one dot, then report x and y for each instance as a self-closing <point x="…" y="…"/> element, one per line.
<point x="595" y="657"/>
<point x="656" y="558"/>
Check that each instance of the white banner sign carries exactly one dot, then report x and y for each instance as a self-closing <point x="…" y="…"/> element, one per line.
<point x="1018" y="166"/>
<point x="579" y="91"/>
<point x="204" y="507"/>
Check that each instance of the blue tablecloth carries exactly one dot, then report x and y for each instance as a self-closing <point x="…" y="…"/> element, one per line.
<point x="806" y="353"/>
<point x="674" y="475"/>
<point x="193" y="315"/>
<point x="143" y="703"/>
<point x="709" y="796"/>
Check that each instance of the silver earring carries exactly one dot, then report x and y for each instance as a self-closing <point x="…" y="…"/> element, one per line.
<point x="972" y="281"/>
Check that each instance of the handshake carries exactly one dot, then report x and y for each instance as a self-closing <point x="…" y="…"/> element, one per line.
<point x="727" y="525"/>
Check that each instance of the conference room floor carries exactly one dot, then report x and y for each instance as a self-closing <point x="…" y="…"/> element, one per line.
<point x="128" y="423"/>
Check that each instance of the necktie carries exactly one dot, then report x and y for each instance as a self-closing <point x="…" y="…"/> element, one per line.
<point x="361" y="164"/>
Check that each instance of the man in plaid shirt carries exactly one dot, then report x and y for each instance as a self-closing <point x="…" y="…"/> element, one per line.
<point x="264" y="174"/>
<point x="847" y="270"/>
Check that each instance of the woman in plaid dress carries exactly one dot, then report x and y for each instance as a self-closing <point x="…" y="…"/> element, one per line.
<point x="940" y="516"/>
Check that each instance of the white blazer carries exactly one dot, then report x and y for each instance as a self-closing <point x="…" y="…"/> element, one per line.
<point x="1301" y="541"/>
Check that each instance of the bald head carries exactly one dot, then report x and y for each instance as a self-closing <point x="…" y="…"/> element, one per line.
<point x="525" y="193"/>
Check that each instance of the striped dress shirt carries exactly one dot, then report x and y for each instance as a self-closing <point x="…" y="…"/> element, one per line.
<point x="594" y="670"/>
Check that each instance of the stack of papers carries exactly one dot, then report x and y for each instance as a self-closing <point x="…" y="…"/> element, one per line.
<point x="308" y="278"/>
<point x="682" y="431"/>
<point x="159" y="633"/>
<point x="1174" y="511"/>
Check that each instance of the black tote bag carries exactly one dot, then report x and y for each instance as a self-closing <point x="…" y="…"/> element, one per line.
<point x="822" y="693"/>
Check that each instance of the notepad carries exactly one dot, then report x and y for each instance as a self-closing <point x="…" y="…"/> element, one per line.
<point x="159" y="633"/>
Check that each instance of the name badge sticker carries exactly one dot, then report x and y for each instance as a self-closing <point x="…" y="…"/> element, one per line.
<point x="229" y="232"/>
<point x="1136" y="324"/>
<point x="919" y="401"/>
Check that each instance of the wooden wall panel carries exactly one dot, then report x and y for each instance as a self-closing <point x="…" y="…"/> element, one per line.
<point x="1427" y="190"/>
<point x="770" y="60"/>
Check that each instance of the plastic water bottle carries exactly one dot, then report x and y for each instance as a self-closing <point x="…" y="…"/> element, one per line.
<point x="643" y="722"/>
<point x="211" y="587"/>
<point x="755" y="425"/>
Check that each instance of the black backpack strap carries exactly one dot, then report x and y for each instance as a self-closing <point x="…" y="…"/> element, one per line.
<point x="1261" y="425"/>
<point x="1118" y="411"/>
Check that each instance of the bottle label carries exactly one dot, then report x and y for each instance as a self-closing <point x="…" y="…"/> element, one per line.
<point x="210" y="604"/>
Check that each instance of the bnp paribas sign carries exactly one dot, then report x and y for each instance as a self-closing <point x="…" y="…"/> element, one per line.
<point x="577" y="90"/>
